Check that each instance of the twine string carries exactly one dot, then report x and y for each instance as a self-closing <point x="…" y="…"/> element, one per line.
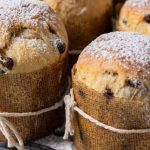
<point x="70" y="104"/>
<point x="71" y="107"/>
<point x="28" y="114"/>
<point x="10" y="132"/>
<point x="7" y="130"/>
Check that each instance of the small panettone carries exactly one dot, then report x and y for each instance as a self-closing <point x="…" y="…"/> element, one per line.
<point x="33" y="57"/>
<point x="135" y="16"/>
<point x="84" y="19"/>
<point x="111" y="83"/>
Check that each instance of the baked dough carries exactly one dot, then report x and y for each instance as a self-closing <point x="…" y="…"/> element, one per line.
<point x="119" y="61"/>
<point x="135" y="16"/>
<point x="111" y="83"/>
<point x="31" y="36"/>
<point x="84" y="19"/>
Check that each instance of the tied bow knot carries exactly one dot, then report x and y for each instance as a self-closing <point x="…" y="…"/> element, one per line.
<point x="8" y="130"/>
<point x="69" y="106"/>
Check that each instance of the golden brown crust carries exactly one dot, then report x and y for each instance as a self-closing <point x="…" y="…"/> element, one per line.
<point x="28" y="30"/>
<point x="84" y="19"/>
<point x="113" y="59"/>
<point x="133" y="17"/>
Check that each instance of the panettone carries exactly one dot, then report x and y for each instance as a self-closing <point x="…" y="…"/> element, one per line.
<point x="84" y="19"/>
<point x="31" y="34"/>
<point x="111" y="83"/>
<point x="134" y="16"/>
<point x="33" y="58"/>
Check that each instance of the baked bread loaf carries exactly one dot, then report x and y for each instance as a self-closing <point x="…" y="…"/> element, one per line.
<point x="31" y="35"/>
<point x="84" y="19"/>
<point x="135" y="16"/>
<point x="33" y="58"/>
<point x="111" y="83"/>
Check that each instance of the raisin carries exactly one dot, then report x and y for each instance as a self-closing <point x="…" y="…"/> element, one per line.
<point x="147" y="18"/>
<point x="8" y="62"/>
<point x="108" y="93"/>
<point x="60" y="45"/>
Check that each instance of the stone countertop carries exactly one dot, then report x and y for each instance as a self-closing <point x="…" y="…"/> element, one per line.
<point x="51" y="142"/>
<point x="56" y="143"/>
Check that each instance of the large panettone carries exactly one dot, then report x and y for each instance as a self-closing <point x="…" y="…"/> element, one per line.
<point x="111" y="83"/>
<point x="33" y="58"/>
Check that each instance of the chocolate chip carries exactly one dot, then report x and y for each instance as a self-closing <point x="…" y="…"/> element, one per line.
<point x="147" y="18"/>
<point x="108" y="93"/>
<point x="8" y="62"/>
<point x="2" y="71"/>
<point x="60" y="45"/>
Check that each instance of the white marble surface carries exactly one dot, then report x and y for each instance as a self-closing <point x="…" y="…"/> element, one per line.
<point x="57" y="143"/>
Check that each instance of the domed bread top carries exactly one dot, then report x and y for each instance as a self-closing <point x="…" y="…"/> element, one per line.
<point x="130" y="50"/>
<point x="29" y="30"/>
<point x="138" y="3"/>
<point x="118" y="61"/>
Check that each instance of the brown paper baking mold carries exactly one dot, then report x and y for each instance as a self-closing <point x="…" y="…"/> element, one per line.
<point x="119" y="113"/>
<point x="30" y="92"/>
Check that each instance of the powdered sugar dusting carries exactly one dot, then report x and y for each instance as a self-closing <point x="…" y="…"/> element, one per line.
<point x="138" y="3"/>
<point x="129" y="49"/>
<point x="23" y="11"/>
